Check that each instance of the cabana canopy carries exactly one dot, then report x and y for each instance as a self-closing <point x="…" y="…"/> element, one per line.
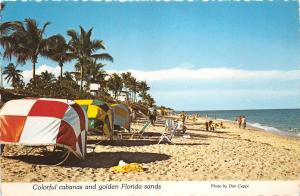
<point x="97" y="109"/>
<point x="121" y="115"/>
<point x="40" y="121"/>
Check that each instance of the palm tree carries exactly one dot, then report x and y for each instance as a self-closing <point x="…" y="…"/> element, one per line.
<point x="115" y="84"/>
<point x="133" y="87"/>
<point x="83" y="49"/>
<point x="69" y="81"/>
<point x="14" y="75"/>
<point x="58" y="51"/>
<point x="148" y="99"/>
<point x="47" y="77"/>
<point x="94" y="72"/>
<point x="143" y="88"/>
<point x="126" y="77"/>
<point x="97" y="74"/>
<point x="25" y="41"/>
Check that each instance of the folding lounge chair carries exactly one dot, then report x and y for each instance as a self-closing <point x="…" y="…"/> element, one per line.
<point x="133" y="132"/>
<point x="141" y="131"/>
<point x="170" y="126"/>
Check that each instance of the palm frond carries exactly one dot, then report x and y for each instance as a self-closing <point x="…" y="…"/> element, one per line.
<point x="98" y="44"/>
<point x="103" y="56"/>
<point x="7" y="27"/>
<point x="73" y="34"/>
<point x="44" y="27"/>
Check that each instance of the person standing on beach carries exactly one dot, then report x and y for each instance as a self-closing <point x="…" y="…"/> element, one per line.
<point x="183" y="116"/>
<point x="243" y="122"/>
<point x="239" y="120"/>
<point x="194" y="118"/>
<point x="152" y="115"/>
<point x="211" y="126"/>
<point x="132" y="116"/>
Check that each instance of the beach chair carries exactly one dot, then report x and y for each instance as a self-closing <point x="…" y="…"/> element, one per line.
<point x="171" y="127"/>
<point x="141" y="131"/>
<point x="132" y="132"/>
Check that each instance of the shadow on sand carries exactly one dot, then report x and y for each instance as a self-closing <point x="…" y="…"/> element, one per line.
<point x="95" y="160"/>
<point x="186" y="144"/>
<point x="198" y="135"/>
<point x="123" y="142"/>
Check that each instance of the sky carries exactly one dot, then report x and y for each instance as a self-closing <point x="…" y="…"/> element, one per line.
<point x="194" y="55"/>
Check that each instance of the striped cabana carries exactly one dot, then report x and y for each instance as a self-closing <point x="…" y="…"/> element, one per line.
<point x="40" y="121"/>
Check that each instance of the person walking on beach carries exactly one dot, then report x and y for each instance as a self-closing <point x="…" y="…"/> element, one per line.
<point x="239" y="120"/>
<point x="243" y="122"/>
<point x="206" y="126"/>
<point x="152" y="115"/>
<point x="211" y="126"/>
<point x="183" y="116"/>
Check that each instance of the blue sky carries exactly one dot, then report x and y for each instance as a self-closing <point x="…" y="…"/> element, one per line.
<point x="194" y="55"/>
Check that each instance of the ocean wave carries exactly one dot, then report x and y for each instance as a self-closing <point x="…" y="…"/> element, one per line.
<point x="292" y="132"/>
<point x="273" y="129"/>
<point x="225" y="120"/>
<point x="267" y="128"/>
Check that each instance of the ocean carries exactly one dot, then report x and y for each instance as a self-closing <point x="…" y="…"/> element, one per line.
<point x="281" y="121"/>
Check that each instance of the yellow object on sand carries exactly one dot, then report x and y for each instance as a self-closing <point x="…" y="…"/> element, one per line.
<point x="132" y="167"/>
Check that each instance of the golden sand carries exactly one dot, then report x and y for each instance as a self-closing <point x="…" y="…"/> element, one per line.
<point x="228" y="154"/>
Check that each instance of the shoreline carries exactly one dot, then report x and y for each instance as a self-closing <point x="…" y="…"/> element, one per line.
<point x="279" y="132"/>
<point x="259" y="118"/>
<point x="249" y="125"/>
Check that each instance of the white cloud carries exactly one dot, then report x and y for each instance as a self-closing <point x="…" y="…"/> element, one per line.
<point x="230" y="93"/>
<point x="188" y="72"/>
<point x="181" y="73"/>
<point x="27" y="74"/>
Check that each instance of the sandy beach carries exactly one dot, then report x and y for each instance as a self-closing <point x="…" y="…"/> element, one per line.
<point x="229" y="153"/>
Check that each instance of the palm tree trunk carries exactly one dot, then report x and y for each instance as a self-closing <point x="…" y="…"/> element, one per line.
<point x="61" y="70"/>
<point x="81" y="78"/>
<point x="33" y="72"/>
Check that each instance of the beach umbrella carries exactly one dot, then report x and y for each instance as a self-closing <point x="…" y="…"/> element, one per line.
<point x="98" y="109"/>
<point x="121" y="115"/>
<point x="41" y="121"/>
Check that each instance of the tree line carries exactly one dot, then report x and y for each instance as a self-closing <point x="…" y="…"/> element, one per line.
<point x="25" y="41"/>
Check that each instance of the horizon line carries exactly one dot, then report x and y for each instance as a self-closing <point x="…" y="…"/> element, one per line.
<point x="235" y="110"/>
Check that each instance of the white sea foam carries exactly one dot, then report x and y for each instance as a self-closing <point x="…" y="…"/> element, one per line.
<point x="267" y="128"/>
<point x="273" y="129"/>
<point x="225" y="120"/>
<point x="256" y="125"/>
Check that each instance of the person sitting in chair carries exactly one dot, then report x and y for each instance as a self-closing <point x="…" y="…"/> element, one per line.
<point x="181" y="127"/>
<point x="211" y="126"/>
